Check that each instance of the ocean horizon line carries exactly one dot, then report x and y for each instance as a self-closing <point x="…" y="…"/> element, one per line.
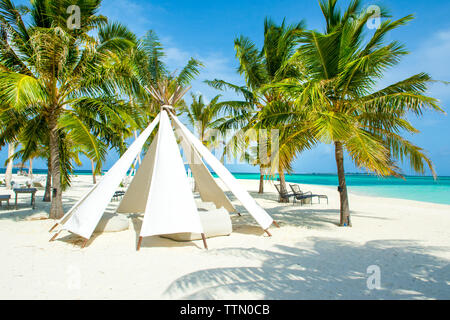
<point x="41" y="171"/>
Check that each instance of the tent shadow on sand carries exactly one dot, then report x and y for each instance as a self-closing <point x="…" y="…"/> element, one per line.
<point x="136" y="222"/>
<point x="331" y="269"/>
<point x="25" y="211"/>
<point x="76" y="240"/>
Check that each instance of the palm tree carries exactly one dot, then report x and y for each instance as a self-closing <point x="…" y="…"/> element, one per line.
<point x="31" y="132"/>
<point x="204" y="118"/>
<point x="261" y="68"/>
<point x="151" y="84"/>
<point x="293" y="137"/>
<point x="337" y="71"/>
<point x="47" y="66"/>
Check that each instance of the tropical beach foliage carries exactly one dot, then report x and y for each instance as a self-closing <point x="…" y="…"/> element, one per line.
<point x="151" y="71"/>
<point x="334" y="91"/>
<point x="63" y="81"/>
<point x="151" y="83"/>
<point x="67" y="91"/>
<point x="204" y="117"/>
<point x="262" y="67"/>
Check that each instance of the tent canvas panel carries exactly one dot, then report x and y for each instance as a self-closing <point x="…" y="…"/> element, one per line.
<point x="83" y="218"/>
<point x="133" y="201"/>
<point x="170" y="206"/>
<point x="208" y="188"/>
<point x="260" y="215"/>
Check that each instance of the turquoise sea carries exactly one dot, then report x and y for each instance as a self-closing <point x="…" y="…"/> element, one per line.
<point x="412" y="188"/>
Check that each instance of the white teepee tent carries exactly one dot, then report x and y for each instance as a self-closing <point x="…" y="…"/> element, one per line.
<point x="167" y="207"/>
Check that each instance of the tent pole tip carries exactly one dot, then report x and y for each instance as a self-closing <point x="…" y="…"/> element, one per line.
<point x="204" y="241"/>
<point x="56" y="224"/>
<point x="139" y="244"/>
<point x="54" y="236"/>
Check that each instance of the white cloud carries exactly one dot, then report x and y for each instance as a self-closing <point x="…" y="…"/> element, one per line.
<point x="432" y="57"/>
<point x="175" y="57"/>
<point x="136" y="15"/>
<point x="216" y="66"/>
<point x="434" y="54"/>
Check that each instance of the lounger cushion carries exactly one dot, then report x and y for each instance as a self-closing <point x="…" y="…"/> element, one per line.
<point x="215" y="223"/>
<point x="112" y="223"/>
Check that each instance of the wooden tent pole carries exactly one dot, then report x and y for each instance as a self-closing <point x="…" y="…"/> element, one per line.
<point x="56" y="224"/>
<point x="139" y="244"/>
<point x="204" y="241"/>
<point x="54" y="236"/>
<point x="84" y="243"/>
<point x="268" y="233"/>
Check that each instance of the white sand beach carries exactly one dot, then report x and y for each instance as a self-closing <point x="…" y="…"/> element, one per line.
<point x="309" y="257"/>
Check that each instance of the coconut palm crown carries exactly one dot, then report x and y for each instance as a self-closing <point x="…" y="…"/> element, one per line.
<point x="64" y="76"/>
<point x="338" y="70"/>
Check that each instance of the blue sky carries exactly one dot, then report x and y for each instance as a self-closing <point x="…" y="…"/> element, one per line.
<point x="206" y="30"/>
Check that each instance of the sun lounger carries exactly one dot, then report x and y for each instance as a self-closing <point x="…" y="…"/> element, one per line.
<point x="284" y="195"/>
<point x="302" y="196"/>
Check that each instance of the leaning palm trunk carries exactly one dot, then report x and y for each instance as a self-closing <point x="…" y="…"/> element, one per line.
<point x="56" y="209"/>
<point x="344" y="205"/>
<point x="48" y="183"/>
<point x="9" y="167"/>
<point x="94" y="180"/>
<point x="283" y="188"/>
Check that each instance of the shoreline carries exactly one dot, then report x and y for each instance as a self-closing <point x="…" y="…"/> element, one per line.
<point x="351" y="188"/>
<point x="361" y="194"/>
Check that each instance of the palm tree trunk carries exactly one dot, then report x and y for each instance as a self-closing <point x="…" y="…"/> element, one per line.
<point x="30" y="169"/>
<point x="282" y="185"/>
<point x="344" y="205"/>
<point x="261" y="180"/>
<point x="56" y="208"/>
<point x="94" y="180"/>
<point x="48" y="183"/>
<point x="9" y="167"/>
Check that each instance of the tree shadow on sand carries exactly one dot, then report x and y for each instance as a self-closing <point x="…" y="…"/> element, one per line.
<point x="311" y="216"/>
<point x="330" y="269"/>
